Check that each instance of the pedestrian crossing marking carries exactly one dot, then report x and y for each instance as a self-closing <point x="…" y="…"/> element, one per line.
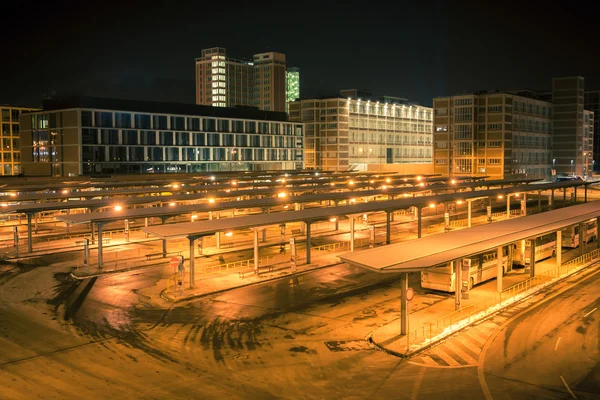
<point x="444" y="356"/>
<point x="463" y="355"/>
<point x="472" y="346"/>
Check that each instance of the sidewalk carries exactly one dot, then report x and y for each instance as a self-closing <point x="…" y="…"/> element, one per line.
<point x="207" y="284"/>
<point x="388" y="337"/>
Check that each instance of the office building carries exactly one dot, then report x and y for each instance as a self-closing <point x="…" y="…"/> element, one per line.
<point x="493" y="134"/>
<point x="83" y="135"/>
<point x="292" y="85"/>
<point x="571" y="143"/>
<point x="10" y="154"/>
<point x="592" y="103"/>
<point x="363" y="133"/>
<point x="227" y="82"/>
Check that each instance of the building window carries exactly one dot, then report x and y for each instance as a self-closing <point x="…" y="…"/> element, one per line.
<point x="494" y="161"/>
<point x="441" y="161"/>
<point x="442" y="128"/>
<point x="494" y="127"/>
<point x="494" y="144"/>
<point x="495" y="109"/>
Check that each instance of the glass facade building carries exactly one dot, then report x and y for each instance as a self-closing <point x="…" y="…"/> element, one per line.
<point x="101" y="136"/>
<point x="292" y="85"/>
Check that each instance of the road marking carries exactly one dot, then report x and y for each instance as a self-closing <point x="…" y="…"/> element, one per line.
<point x="590" y="312"/>
<point x="417" y="384"/>
<point x="476" y="338"/>
<point x="567" y="386"/>
<point x="442" y="354"/>
<point x="429" y="361"/>
<point x="463" y="355"/>
<point x="470" y="345"/>
<point x="557" y="342"/>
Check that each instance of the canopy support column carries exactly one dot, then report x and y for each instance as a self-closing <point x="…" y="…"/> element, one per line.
<point x="558" y="247"/>
<point x="255" y="234"/>
<point x="469" y="209"/>
<point x="192" y="240"/>
<point x="308" y="242"/>
<point x="100" y="255"/>
<point x="500" y="271"/>
<point x="352" y="233"/>
<point x="403" y="303"/>
<point x="419" y="222"/>
<point x="388" y="233"/>
<point x="582" y="235"/>
<point x="29" y="240"/>
<point x="457" y="283"/>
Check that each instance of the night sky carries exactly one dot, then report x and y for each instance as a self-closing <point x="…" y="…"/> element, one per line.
<point x="418" y="49"/>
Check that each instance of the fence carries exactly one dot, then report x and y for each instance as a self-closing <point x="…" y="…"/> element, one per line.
<point x="463" y="316"/>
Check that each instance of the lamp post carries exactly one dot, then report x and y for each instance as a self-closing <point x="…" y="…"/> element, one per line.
<point x="572" y="171"/>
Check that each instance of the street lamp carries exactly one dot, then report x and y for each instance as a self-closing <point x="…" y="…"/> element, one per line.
<point x="572" y="171"/>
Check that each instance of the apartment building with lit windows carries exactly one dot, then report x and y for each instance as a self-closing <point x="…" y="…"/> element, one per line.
<point x="492" y="134"/>
<point x="260" y="82"/>
<point x="10" y="155"/>
<point x="592" y="103"/>
<point x="352" y="133"/>
<point x="86" y="136"/>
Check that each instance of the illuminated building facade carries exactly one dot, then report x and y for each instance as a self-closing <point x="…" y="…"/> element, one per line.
<point x="352" y="133"/>
<point x="10" y="155"/>
<point x="85" y="136"/>
<point x="227" y="82"/>
<point x="292" y="85"/>
<point x="492" y="134"/>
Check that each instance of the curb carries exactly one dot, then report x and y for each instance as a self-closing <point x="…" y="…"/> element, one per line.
<point x="409" y="353"/>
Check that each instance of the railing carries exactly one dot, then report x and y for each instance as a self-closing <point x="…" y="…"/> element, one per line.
<point x="465" y="314"/>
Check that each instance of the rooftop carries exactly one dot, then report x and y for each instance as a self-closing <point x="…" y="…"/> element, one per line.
<point x="150" y="107"/>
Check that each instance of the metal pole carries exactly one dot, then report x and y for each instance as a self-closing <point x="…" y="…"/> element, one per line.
<point x="532" y="258"/>
<point x="419" y="220"/>
<point x="29" y="242"/>
<point x="582" y="228"/>
<point x="403" y="303"/>
<point x="35" y="221"/>
<point x="16" y="240"/>
<point x="457" y="283"/>
<point x="469" y="213"/>
<point x="99" y="245"/>
<point x="307" y="242"/>
<point x="352" y="234"/>
<point x="508" y="206"/>
<point x="558" y="247"/>
<point x="500" y="270"/>
<point x="388" y="234"/>
<point x="539" y="201"/>
<point x="192" y="260"/>
<point x="255" y="250"/>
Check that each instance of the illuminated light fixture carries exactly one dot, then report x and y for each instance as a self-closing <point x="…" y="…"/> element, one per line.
<point x="227" y="190"/>
<point x="372" y="181"/>
<point x="384" y="187"/>
<point x="422" y="184"/>
<point x="237" y="198"/>
<point x="194" y="217"/>
<point x="172" y="204"/>
<point x="281" y="195"/>
<point x="432" y="205"/>
<point x="418" y="178"/>
<point x="175" y="186"/>
<point x="212" y="178"/>
<point x="388" y="180"/>
<point x="405" y="179"/>
<point x="283" y="180"/>
<point x="500" y="196"/>
<point x="453" y="181"/>
<point x="459" y="202"/>
<point x="4" y="205"/>
<point x="517" y="195"/>
<point x="352" y="200"/>
<point x="12" y="194"/>
<point x="286" y="206"/>
<point x="118" y="207"/>
<point x="286" y="175"/>
<point x="65" y="191"/>
<point x="351" y="182"/>
<point x="234" y="183"/>
<point x="211" y="200"/>
<point x="332" y="219"/>
<point x="228" y="233"/>
<point x="405" y="194"/>
<point x="317" y="174"/>
<point x="332" y="184"/>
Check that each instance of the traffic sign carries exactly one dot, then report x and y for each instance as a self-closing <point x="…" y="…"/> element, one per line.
<point x="410" y="293"/>
<point x="174" y="262"/>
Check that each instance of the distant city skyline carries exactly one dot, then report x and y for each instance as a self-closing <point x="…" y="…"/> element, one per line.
<point x="415" y="51"/>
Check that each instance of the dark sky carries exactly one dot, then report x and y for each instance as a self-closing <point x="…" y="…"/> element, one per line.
<point x="417" y="49"/>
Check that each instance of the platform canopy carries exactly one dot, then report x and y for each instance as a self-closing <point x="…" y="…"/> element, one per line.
<point x="435" y="250"/>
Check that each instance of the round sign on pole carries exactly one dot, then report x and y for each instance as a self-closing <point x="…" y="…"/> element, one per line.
<point x="174" y="262"/>
<point x="410" y="293"/>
